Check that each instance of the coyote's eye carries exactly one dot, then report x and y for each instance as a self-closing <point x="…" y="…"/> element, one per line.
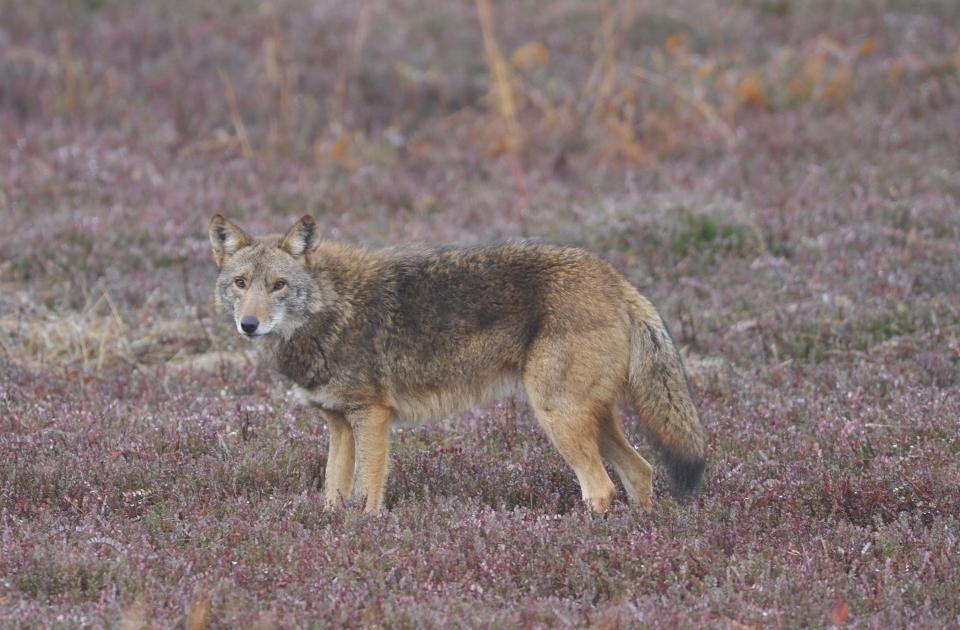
<point x="240" y="282"/>
<point x="279" y="284"/>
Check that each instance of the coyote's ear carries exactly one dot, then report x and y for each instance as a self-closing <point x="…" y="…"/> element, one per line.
<point x="226" y="238"/>
<point x="301" y="239"/>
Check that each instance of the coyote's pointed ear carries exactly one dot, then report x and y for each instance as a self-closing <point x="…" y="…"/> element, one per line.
<point x="226" y="238"/>
<point x="302" y="239"/>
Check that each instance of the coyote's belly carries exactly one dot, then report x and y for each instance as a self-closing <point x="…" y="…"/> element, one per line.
<point x="419" y="387"/>
<point x="427" y="404"/>
<point x="445" y="399"/>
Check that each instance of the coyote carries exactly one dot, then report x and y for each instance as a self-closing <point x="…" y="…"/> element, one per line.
<point x="416" y="332"/>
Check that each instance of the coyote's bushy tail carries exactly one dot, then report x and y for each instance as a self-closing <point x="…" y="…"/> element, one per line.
<point x="659" y="391"/>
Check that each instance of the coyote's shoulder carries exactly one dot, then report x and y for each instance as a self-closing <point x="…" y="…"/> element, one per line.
<point x="420" y="332"/>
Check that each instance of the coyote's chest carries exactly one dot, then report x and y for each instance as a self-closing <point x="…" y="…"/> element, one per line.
<point x="303" y="360"/>
<point x="322" y="397"/>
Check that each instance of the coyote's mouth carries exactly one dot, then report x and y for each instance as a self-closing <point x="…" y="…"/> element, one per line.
<point x="261" y="331"/>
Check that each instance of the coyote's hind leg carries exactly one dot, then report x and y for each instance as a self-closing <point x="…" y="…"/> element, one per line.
<point x="634" y="471"/>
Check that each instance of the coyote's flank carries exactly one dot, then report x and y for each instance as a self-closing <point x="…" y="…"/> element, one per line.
<point x="367" y="336"/>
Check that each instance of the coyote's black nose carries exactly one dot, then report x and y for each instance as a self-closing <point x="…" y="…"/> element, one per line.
<point x="249" y="323"/>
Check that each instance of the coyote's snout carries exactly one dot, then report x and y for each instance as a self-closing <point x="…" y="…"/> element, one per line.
<point x="419" y="332"/>
<point x="249" y="324"/>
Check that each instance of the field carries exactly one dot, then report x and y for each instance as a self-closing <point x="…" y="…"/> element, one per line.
<point x="780" y="177"/>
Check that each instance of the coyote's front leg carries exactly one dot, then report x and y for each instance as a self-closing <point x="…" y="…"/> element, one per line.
<point x="340" y="459"/>
<point x="371" y="429"/>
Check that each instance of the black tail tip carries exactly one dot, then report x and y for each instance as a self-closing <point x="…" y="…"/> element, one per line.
<point x="685" y="474"/>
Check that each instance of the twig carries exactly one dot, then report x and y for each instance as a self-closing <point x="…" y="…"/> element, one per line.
<point x="500" y="78"/>
<point x="360" y="31"/>
<point x="600" y="82"/>
<point x="240" y="129"/>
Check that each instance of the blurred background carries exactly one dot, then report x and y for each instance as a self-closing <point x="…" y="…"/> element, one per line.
<point x="697" y="144"/>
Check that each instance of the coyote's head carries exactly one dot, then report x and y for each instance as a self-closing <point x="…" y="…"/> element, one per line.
<point x="265" y="283"/>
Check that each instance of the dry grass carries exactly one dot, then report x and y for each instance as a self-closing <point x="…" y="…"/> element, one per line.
<point x="87" y="339"/>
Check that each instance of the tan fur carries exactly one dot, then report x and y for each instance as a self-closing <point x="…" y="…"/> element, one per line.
<point x="372" y="430"/>
<point x="341" y="459"/>
<point x="370" y="336"/>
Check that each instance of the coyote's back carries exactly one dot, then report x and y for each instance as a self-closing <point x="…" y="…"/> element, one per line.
<point x="417" y="332"/>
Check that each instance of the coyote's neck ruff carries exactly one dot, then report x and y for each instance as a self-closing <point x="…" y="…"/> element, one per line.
<point x="368" y="336"/>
